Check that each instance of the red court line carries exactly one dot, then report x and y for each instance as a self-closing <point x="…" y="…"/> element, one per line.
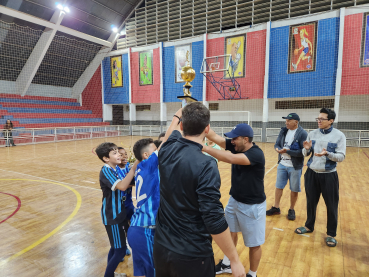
<point x="93" y="151"/>
<point x="366" y="154"/>
<point x="16" y="210"/>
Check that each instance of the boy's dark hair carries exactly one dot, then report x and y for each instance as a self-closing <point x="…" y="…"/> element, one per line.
<point x="157" y="143"/>
<point x="195" y="118"/>
<point x="161" y="136"/>
<point x="331" y="113"/>
<point x="120" y="148"/>
<point x="104" y="149"/>
<point x="140" y="147"/>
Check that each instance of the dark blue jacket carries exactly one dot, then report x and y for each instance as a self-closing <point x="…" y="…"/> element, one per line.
<point x="295" y="152"/>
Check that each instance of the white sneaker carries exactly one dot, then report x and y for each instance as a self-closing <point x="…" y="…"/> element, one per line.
<point x="222" y="268"/>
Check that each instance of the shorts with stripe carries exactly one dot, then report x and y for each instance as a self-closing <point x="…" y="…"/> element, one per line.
<point x="117" y="237"/>
<point x="141" y="241"/>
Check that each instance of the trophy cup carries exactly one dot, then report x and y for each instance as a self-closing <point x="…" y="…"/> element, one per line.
<point x="187" y="74"/>
<point x="131" y="158"/>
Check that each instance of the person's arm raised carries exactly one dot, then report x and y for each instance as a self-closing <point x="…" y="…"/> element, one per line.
<point x="226" y="156"/>
<point x="216" y="138"/>
<point x="126" y="182"/>
<point x="174" y="125"/>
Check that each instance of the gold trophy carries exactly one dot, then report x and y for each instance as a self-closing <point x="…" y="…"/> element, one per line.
<point x="131" y="158"/>
<point x="187" y="74"/>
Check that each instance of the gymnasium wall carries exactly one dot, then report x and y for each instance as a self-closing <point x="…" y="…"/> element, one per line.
<point x="282" y="86"/>
<point x="91" y="95"/>
<point x="320" y="82"/>
<point x="118" y="95"/>
<point x="171" y="89"/>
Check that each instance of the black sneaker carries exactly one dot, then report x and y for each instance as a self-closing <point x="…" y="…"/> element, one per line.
<point x="291" y="214"/>
<point x="249" y="275"/>
<point x="222" y="268"/>
<point x="273" y="211"/>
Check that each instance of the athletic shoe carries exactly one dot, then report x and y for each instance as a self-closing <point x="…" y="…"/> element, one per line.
<point x="222" y="268"/>
<point x="273" y="211"/>
<point x="291" y="214"/>
<point x="128" y="252"/>
<point x="249" y="275"/>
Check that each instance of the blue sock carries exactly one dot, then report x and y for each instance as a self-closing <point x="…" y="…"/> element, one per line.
<point x="114" y="261"/>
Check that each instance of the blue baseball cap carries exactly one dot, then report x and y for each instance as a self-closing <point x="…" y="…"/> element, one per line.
<point x="241" y="130"/>
<point x="292" y="116"/>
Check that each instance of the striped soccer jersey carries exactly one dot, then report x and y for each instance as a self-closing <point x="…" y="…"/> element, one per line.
<point x="147" y="192"/>
<point x="122" y="173"/>
<point x="112" y="210"/>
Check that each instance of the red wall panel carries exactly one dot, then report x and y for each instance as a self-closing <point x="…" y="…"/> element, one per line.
<point x="355" y="79"/>
<point x="148" y="93"/>
<point x="92" y="94"/>
<point x="252" y="85"/>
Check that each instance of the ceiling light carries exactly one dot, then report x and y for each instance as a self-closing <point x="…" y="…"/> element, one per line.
<point x="66" y="9"/>
<point x="59" y="6"/>
<point x="115" y="29"/>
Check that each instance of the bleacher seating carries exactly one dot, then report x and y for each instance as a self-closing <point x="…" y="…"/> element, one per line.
<point x="45" y="112"/>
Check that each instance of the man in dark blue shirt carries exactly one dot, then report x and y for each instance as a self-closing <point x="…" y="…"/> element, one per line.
<point x="190" y="213"/>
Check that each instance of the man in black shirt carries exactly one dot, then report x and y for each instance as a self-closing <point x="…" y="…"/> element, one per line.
<point x="246" y="209"/>
<point x="190" y="213"/>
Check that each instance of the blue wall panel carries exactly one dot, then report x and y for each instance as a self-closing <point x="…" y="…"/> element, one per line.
<point x="172" y="89"/>
<point x="322" y="81"/>
<point x="116" y="95"/>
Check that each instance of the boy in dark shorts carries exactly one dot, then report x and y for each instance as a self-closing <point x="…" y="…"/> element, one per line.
<point x="113" y="211"/>
<point x="122" y="170"/>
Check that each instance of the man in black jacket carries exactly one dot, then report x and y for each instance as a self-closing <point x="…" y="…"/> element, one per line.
<point x="289" y="145"/>
<point x="190" y="213"/>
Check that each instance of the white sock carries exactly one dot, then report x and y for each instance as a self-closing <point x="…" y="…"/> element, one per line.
<point x="252" y="273"/>
<point x="226" y="261"/>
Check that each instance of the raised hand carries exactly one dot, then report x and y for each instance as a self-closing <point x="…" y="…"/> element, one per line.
<point x="323" y="153"/>
<point x="308" y="145"/>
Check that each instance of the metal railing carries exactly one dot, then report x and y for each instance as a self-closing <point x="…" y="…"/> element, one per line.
<point x="354" y="138"/>
<point x="45" y="135"/>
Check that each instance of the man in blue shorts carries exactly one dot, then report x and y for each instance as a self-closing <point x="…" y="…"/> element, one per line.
<point x="289" y="145"/>
<point x="246" y="208"/>
<point x="113" y="212"/>
<point x="142" y="230"/>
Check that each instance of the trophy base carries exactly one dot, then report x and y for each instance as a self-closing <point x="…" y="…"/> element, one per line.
<point x="186" y="100"/>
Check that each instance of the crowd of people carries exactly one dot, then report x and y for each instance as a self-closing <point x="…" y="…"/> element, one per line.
<point x="178" y="211"/>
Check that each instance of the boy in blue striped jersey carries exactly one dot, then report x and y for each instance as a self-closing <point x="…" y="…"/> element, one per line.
<point x="142" y="230"/>
<point x="113" y="211"/>
<point x="122" y="170"/>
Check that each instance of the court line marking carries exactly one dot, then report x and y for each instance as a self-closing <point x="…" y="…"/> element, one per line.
<point x="68" y="184"/>
<point x="16" y="210"/>
<point x="304" y="235"/>
<point x="366" y="154"/>
<point x="271" y="169"/>
<point x="53" y="232"/>
<point x="89" y="182"/>
<point x="278" y="229"/>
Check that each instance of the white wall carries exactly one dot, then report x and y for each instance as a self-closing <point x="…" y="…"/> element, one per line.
<point x="37" y="90"/>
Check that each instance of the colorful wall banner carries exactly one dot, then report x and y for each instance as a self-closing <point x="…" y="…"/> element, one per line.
<point x="302" y="48"/>
<point x="235" y="46"/>
<point x="180" y="60"/>
<point x="145" y="63"/>
<point x="116" y="71"/>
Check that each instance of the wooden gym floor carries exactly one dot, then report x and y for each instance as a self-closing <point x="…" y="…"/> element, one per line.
<point x="50" y="216"/>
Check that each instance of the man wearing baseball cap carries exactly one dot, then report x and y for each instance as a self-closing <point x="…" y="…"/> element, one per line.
<point x="246" y="209"/>
<point x="289" y="145"/>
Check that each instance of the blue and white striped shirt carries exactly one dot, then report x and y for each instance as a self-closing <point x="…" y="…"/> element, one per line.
<point x="147" y="192"/>
<point x="112" y="210"/>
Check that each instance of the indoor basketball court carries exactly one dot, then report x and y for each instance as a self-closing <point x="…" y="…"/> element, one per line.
<point x="75" y="74"/>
